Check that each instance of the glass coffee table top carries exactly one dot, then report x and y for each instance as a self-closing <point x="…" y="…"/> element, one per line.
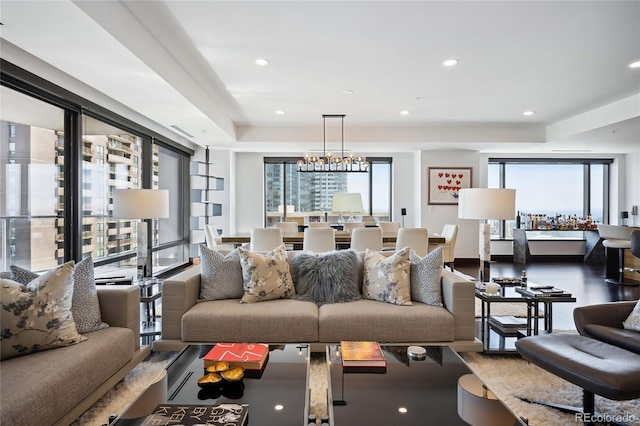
<point x="411" y="392"/>
<point x="280" y="396"/>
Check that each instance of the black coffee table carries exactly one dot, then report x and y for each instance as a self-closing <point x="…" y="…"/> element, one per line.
<point x="409" y="393"/>
<point x="280" y="396"/>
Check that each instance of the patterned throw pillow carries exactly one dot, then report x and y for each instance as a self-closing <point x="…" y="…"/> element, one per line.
<point x="37" y="317"/>
<point x="386" y="279"/>
<point x="85" y="306"/>
<point x="220" y="276"/>
<point x="266" y="276"/>
<point x="633" y="320"/>
<point x="330" y="277"/>
<point x="426" y="275"/>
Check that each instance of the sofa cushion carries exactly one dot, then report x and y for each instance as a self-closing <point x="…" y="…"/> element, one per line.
<point x="46" y="385"/>
<point x="626" y="339"/>
<point x="633" y="320"/>
<point x="85" y="306"/>
<point x="426" y="277"/>
<point x="275" y="321"/>
<point x="37" y="317"/>
<point x="386" y="279"/>
<point x="221" y="275"/>
<point x="384" y="322"/>
<point x="266" y="276"/>
<point x="329" y="277"/>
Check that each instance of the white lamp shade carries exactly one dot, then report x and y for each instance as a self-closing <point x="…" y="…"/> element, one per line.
<point x="140" y="203"/>
<point x="347" y="202"/>
<point x="487" y="203"/>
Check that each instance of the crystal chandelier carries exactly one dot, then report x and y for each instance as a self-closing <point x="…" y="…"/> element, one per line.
<point x="330" y="163"/>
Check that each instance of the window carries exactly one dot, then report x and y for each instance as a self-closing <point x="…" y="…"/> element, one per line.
<point x="557" y="189"/>
<point x="59" y="167"/>
<point x="309" y="195"/>
<point x="32" y="171"/>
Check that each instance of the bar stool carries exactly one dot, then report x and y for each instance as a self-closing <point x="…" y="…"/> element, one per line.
<point x="616" y="240"/>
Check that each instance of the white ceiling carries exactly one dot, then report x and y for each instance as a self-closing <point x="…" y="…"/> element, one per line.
<point x="192" y="64"/>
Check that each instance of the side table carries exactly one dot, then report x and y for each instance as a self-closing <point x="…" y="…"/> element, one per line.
<point x="150" y="292"/>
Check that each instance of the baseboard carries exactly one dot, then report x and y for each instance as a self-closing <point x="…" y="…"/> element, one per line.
<point x="508" y="258"/>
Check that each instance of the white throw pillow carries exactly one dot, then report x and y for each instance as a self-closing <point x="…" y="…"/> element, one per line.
<point x="633" y="320"/>
<point x="386" y="279"/>
<point x="266" y="276"/>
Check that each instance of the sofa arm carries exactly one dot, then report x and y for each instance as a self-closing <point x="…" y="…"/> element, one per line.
<point x="610" y="314"/>
<point x="120" y="307"/>
<point x="179" y="294"/>
<point x="458" y="296"/>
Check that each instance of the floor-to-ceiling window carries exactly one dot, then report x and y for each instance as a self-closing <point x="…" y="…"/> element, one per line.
<point x="310" y="195"/>
<point x="552" y="193"/>
<point x="61" y="157"/>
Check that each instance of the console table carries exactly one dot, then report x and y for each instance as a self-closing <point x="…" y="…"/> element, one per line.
<point x="594" y="251"/>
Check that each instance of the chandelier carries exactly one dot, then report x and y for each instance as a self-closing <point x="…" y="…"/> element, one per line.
<point x="330" y="163"/>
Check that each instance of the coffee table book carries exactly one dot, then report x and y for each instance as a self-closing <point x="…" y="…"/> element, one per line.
<point x="553" y="292"/>
<point x="251" y="356"/>
<point x="362" y="357"/>
<point x="191" y="415"/>
<point x="507" y="322"/>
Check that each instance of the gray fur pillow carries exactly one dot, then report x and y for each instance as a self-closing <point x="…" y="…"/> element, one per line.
<point x="330" y="277"/>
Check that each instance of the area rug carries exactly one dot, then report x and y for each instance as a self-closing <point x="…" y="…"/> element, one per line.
<point x="510" y="377"/>
<point x="125" y="392"/>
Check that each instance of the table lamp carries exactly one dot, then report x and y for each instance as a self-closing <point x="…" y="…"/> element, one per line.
<point x="486" y="204"/>
<point x="141" y="204"/>
<point x="347" y="201"/>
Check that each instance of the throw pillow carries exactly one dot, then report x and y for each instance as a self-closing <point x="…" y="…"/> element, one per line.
<point x="85" y="306"/>
<point x="426" y="275"/>
<point x="633" y="320"/>
<point x="220" y="276"/>
<point x="37" y="317"/>
<point x="330" y="277"/>
<point x="386" y="279"/>
<point x="266" y="276"/>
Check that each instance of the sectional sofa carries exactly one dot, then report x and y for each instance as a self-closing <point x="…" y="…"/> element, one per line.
<point x="186" y="319"/>
<point x="55" y="386"/>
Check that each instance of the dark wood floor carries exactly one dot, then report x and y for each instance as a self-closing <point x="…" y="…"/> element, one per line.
<point x="584" y="281"/>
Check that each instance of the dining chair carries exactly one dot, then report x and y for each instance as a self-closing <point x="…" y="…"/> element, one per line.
<point x="366" y="238"/>
<point x="389" y="229"/>
<point x="450" y="235"/>
<point x="288" y="228"/>
<point x="350" y="226"/>
<point x="319" y="225"/>
<point x="265" y="239"/>
<point x="319" y="240"/>
<point x="416" y="238"/>
<point x="616" y="240"/>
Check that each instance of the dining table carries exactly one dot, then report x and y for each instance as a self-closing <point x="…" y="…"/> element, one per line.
<point x="343" y="239"/>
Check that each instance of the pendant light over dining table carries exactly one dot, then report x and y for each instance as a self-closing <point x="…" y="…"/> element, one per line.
<point x="328" y="162"/>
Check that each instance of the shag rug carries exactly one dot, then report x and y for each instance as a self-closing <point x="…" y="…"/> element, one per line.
<point x="126" y="391"/>
<point x="510" y="377"/>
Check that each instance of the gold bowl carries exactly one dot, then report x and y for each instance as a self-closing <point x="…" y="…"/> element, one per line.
<point x="209" y="379"/>
<point x="233" y="374"/>
<point x="218" y="367"/>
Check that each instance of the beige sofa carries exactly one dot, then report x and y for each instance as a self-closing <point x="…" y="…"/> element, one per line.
<point x="56" y="386"/>
<point x="185" y="321"/>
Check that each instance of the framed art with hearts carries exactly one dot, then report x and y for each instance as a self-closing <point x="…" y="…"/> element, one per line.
<point x="444" y="184"/>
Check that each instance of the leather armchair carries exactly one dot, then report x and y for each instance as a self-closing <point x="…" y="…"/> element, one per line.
<point x="604" y="322"/>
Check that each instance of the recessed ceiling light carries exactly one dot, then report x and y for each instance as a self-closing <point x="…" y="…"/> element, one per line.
<point x="347" y="92"/>
<point x="403" y="410"/>
<point x="527" y="113"/>
<point x="450" y="62"/>
<point x="280" y="112"/>
<point x="635" y="64"/>
<point x="262" y="62"/>
<point x="404" y="112"/>
<point x="279" y="407"/>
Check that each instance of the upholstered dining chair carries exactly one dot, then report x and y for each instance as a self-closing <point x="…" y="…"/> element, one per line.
<point x="450" y="235"/>
<point x="350" y="226"/>
<point x="366" y="238"/>
<point x="288" y="228"/>
<point x="319" y="225"/>
<point x="416" y="238"/>
<point x="319" y="240"/>
<point x="616" y="240"/>
<point x="265" y="239"/>
<point x="389" y="229"/>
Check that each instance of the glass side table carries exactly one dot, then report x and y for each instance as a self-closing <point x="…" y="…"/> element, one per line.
<point x="150" y="293"/>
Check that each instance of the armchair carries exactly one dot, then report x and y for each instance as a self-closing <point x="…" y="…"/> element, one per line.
<point x="604" y="322"/>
